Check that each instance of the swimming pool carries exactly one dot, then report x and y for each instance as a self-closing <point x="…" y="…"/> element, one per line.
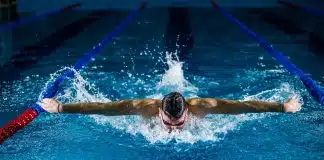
<point x="224" y="63"/>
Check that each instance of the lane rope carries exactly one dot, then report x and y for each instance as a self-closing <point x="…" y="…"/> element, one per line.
<point x="311" y="86"/>
<point x="20" y="22"/>
<point x="300" y="6"/>
<point x="31" y="113"/>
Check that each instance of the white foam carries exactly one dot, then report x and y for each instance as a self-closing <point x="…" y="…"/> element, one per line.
<point x="280" y="93"/>
<point x="213" y="128"/>
<point x="173" y="79"/>
<point x="78" y="89"/>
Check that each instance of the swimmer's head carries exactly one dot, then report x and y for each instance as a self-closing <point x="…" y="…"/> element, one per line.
<point x="174" y="111"/>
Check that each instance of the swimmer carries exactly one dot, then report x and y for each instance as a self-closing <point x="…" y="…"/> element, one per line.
<point x="173" y="109"/>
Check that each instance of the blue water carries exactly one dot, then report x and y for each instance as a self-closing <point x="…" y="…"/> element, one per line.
<point x="224" y="63"/>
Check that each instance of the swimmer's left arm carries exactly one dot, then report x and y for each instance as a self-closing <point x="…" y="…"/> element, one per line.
<point x="202" y="106"/>
<point x="145" y="107"/>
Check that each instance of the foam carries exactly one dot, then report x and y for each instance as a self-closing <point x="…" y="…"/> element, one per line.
<point x="173" y="79"/>
<point x="212" y="128"/>
<point x="81" y="90"/>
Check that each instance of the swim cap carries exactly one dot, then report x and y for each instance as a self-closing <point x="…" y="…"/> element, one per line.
<point x="173" y="104"/>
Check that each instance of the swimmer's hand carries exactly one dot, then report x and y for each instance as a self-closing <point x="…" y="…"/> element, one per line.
<point x="51" y="105"/>
<point x="292" y="105"/>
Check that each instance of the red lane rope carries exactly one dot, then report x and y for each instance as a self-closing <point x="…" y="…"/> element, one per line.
<point x="20" y="122"/>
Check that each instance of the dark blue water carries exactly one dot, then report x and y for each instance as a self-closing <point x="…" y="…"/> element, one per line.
<point x="224" y="63"/>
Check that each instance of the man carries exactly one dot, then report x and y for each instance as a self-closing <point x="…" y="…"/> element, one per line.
<point x="173" y="110"/>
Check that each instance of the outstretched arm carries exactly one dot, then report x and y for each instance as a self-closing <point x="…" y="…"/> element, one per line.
<point x="146" y="107"/>
<point x="202" y="106"/>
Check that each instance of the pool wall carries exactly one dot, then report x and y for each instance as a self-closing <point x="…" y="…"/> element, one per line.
<point x="43" y="5"/>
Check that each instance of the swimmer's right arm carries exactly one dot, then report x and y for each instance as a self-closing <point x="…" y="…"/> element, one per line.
<point x="145" y="107"/>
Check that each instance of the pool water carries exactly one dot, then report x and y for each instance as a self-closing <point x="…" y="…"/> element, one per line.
<point x="224" y="63"/>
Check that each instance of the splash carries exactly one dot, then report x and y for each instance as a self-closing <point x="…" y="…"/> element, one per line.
<point x="212" y="128"/>
<point x="77" y="89"/>
<point x="277" y="94"/>
<point x="20" y="93"/>
<point x="82" y="90"/>
<point x="174" y="80"/>
<point x="283" y="91"/>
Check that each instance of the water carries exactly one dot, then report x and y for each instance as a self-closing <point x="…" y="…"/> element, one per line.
<point x="237" y="70"/>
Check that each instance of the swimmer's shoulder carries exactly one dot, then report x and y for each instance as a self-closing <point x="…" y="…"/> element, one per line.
<point x="199" y="106"/>
<point x="196" y="102"/>
<point x="136" y="103"/>
<point x="148" y="107"/>
<point x="143" y="103"/>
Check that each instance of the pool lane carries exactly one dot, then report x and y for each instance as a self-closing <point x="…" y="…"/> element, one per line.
<point x="51" y="90"/>
<point x="179" y="36"/>
<point x="22" y="21"/>
<point x="31" y="54"/>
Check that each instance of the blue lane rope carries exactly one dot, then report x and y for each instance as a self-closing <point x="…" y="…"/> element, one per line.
<point x="13" y="25"/>
<point x="306" y="8"/>
<point x="86" y="59"/>
<point x="311" y="86"/>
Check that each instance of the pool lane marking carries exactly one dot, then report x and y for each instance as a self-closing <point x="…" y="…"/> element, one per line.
<point x="31" y="113"/>
<point x="312" y="87"/>
<point x="20" y="22"/>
